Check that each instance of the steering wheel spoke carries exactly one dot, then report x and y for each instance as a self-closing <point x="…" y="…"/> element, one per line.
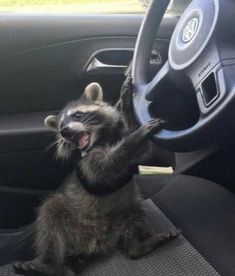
<point x="158" y="83"/>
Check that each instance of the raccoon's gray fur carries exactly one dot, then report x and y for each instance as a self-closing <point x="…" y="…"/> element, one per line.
<point x="99" y="209"/>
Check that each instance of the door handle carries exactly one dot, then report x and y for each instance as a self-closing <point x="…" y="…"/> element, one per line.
<point x="99" y="68"/>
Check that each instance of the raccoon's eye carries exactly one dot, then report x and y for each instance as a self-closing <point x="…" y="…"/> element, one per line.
<point x="78" y="115"/>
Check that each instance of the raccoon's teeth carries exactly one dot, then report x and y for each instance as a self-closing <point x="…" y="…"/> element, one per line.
<point x="84" y="140"/>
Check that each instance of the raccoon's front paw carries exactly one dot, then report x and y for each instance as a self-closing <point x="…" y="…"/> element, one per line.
<point x="151" y="127"/>
<point x="31" y="269"/>
<point x="126" y="95"/>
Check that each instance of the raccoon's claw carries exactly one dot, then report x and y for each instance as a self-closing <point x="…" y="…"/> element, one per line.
<point x="153" y="126"/>
<point x="30" y="269"/>
<point x="174" y="234"/>
<point x="26" y="268"/>
<point x="162" y="238"/>
<point x="21" y="267"/>
<point x="155" y="123"/>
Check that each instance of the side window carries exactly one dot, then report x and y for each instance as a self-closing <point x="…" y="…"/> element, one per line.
<point x="74" y="6"/>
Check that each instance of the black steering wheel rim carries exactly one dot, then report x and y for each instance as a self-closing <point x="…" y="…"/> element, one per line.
<point x="203" y="49"/>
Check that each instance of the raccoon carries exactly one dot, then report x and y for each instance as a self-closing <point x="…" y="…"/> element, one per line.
<point x="99" y="209"/>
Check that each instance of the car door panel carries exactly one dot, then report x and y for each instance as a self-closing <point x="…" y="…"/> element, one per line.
<point x="21" y="32"/>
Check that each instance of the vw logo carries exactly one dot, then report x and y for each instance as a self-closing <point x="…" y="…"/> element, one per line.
<point x="190" y="29"/>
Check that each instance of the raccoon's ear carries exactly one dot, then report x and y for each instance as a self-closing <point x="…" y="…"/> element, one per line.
<point x="51" y="122"/>
<point x="93" y="92"/>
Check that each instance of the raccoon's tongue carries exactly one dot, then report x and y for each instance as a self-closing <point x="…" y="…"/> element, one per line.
<point x="84" y="140"/>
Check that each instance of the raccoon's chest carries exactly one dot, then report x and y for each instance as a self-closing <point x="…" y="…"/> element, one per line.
<point x="92" y="206"/>
<point x="101" y="222"/>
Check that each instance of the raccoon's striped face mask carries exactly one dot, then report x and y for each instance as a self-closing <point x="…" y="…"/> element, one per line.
<point x="82" y="122"/>
<point x="74" y="127"/>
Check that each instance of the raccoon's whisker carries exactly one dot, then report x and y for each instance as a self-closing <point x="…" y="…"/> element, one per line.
<point x="93" y="122"/>
<point x="77" y="128"/>
<point x="85" y="117"/>
<point x="59" y="148"/>
<point x="53" y="144"/>
<point x="86" y="120"/>
<point x="98" y="127"/>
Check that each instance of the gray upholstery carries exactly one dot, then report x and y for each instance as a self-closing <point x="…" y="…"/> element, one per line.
<point x="175" y="258"/>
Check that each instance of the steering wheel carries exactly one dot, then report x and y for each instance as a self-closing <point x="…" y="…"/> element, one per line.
<point x="195" y="90"/>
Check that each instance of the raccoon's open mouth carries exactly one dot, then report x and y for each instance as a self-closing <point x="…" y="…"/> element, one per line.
<point x="81" y="139"/>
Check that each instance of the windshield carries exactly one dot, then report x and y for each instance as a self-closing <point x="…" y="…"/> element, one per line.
<point x="75" y="6"/>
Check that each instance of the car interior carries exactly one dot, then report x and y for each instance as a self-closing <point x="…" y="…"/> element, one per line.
<point x="181" y="56"/>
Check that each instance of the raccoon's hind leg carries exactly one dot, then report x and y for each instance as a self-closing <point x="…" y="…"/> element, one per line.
<point x="139" y="240"/>
<point x="139" y="247"/>
<point x="56" y="232"/>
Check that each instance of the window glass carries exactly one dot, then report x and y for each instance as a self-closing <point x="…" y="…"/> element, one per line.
<point x="75" y="6"/>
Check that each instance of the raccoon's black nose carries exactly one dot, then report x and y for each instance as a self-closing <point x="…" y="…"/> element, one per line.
<point x="66" y="132"/>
